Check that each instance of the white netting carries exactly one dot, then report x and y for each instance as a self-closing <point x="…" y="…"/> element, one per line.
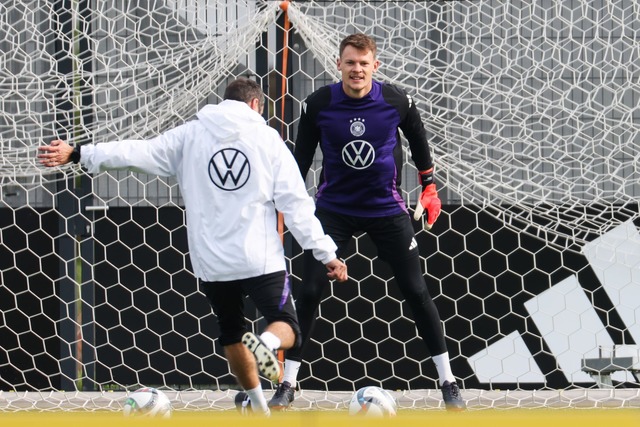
<point x="532" y="117"/>
<point x="531" y="107"/>
<point x="144" y="68"/>
<point x="418" y="400"/>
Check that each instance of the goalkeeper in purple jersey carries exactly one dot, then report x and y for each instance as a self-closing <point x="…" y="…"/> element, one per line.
<point x="357" y="122"/>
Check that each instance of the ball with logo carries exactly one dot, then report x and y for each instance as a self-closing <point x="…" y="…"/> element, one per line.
<point x="147" y="402"/>
<point x="371" y="401"/>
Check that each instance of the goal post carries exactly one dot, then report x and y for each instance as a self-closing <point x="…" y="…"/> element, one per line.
<point x="531" y="111"/>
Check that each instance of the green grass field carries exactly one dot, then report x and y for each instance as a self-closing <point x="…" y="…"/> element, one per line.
<point x="489" y="418"/>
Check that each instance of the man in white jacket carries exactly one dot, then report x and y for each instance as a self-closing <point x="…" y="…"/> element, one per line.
<point x="234" y="171"/>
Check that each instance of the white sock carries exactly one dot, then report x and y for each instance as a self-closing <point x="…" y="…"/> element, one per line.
<point x="258" y="401"/>
<point x="443" y="367"/>
<point x="270" y="340"/>
<point x="291" y="368"/>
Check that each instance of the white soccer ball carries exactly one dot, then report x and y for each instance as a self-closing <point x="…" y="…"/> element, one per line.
<point x="373" y="401"/>
<point x="147" y="402"/>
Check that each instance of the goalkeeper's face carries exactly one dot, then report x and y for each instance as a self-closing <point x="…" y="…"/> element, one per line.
<point x="357" y="68"/>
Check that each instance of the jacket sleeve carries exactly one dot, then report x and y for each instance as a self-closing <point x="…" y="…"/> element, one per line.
<point x="297" y="207"/>
<point x="158" y="156"/>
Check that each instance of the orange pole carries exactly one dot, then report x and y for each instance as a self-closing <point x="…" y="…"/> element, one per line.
<point x="285" y="59"/>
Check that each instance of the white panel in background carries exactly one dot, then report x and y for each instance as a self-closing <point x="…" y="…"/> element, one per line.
<point x="569" y="325"/>
<point x="506" y="361"/>
<point x="615" y="259"/>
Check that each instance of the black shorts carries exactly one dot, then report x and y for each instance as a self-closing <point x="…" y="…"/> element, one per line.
<point x="394" y="238"/>
<point x="271" y="293"/>
<point x="393" y="235"/>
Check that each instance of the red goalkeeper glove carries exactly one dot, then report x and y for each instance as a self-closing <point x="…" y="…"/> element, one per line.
<point x="428" y="201"/>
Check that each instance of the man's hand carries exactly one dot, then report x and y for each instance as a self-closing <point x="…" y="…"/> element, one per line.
<point x="337" y="270"/>
<point x="58" y="153"/>
<point x="428" y="201"/>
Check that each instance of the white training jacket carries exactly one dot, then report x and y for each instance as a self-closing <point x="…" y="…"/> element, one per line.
<point x="234" y="171"/>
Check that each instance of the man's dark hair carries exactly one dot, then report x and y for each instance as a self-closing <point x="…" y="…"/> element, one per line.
<point x="244" y="90"/>
<point x="359" y="41"/>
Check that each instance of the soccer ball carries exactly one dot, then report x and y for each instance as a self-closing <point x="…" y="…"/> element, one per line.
<point x="373" y="401"/>
<point x="147" y="402"/>
<point x="243" y="403"/>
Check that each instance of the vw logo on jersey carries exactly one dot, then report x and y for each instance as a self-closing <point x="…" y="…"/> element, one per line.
<point x="357" y="126"/>
<point x="229" y="169"/>
<point x="358" y="154"/>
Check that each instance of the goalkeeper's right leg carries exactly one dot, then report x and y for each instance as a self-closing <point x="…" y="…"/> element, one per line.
<point x="315" y="282"/>
<point x="283" y="397"/>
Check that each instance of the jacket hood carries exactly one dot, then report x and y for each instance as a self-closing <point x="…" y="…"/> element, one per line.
<point x="227" y="120"/>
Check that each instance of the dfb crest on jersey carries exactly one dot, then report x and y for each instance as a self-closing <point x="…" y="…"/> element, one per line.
<point x="358" y="154"/>
<point x="229" y="169"/>
<point x="357" y="126"/>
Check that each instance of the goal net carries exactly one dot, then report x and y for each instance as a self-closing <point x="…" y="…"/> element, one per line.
<point x="531" y="111"/>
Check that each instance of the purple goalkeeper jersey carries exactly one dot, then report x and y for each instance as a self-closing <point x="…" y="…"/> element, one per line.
<point x="361" y="147"/>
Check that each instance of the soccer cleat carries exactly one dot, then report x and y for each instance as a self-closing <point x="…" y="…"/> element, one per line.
<point x="283" y="397"/>
<point x="268" y="364"/>
<point x="243" y="403"/>
<point x="452" y="398"/>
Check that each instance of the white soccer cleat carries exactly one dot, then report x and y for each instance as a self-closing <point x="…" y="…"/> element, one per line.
<point x="268" y="364"/>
